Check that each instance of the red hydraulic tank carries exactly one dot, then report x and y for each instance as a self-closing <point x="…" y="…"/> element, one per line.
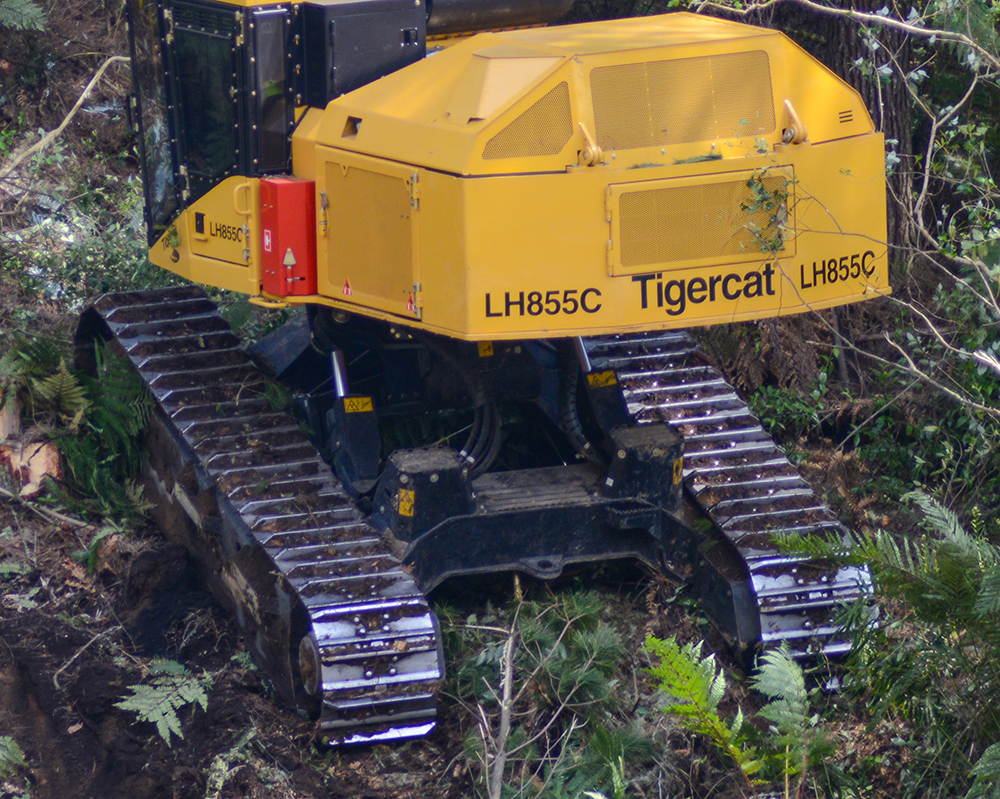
<point x="288" y="224"/>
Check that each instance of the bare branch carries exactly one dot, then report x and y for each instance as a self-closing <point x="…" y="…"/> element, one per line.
<point x="52" y="135"/>
<point x="506" y="707"/>
<point x="864" y="18"/>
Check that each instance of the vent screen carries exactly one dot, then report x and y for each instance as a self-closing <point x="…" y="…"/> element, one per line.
<point x="543" y="129"/>
<point x="708" y="221"/>
<point x="371" y="234"/>
<point x="681" y="101"/>
<point x="205" y="20"/>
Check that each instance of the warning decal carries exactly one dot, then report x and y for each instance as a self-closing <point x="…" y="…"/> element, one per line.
<point x="405" y="500"/>
<point x="602" y="379"/>
<point x="358" y="404"/>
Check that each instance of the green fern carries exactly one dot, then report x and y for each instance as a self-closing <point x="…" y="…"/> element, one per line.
<point x="695" y="686"/>
<point x="987" y="775"/>
<point x="933" y="664"/>
<point x="796" y="739"/>
<point x="28" y="359"/>
<point x="62" y="391"/>
<point x="11" y="757"/>
<point x="171" y="687"/>
<point x="104" y="451"/>
<point x="21" y="15"/>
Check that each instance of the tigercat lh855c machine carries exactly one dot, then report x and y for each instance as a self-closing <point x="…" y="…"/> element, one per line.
<point x="498" y="239"/>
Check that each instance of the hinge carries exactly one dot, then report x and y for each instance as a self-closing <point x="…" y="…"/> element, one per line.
<point x="414" y="182"/>
<point x="324" y="203"/>
<point x="240" y="30"/>
<point x="418" y="299"/>
<point x="186" y="188"/>
<point x="168" y="19"/>
<point x="608" y="206"/>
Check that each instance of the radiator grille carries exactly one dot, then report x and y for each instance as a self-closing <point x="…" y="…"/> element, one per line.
<point x="696" y="222"/>
<point x="683" y="100"/>
<point x="543" y="129"/>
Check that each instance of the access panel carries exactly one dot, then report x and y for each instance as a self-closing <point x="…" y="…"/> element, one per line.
<point x="288" y="228"/>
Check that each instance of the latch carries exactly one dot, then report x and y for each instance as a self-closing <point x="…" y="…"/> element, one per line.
<point x="324" y="203"/>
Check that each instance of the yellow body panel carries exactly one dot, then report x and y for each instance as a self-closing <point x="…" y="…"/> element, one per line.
<point x="222" y="248"/>
<point x="623" y="175"/>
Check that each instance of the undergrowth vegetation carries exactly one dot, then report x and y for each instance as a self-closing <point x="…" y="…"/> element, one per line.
<point x="95" y="421"/>
<point x="542" y="681"/>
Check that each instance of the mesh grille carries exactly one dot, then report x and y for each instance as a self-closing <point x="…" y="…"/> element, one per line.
<point x="543" y="129"/>
<point x="371" y="233"/>
<point x="209" y="20"/>
<point x="683" y="100"/>
<point x="686" y="223"/>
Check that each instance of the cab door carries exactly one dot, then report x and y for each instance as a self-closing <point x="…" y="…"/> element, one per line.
<point x="205" y="67"/>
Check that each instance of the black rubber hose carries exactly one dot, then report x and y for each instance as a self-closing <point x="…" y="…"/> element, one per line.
<point x="569" y="413"/>
<point x="475" y="433"/>
<point x="489" y="445"/>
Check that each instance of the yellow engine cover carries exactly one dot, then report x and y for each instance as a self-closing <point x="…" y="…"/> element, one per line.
<point x="626" y="175"/>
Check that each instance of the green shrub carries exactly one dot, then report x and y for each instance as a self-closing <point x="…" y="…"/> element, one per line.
<point x="931" y="666"/>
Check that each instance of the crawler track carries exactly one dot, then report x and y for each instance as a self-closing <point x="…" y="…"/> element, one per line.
<point x="344" y="632"/>
<point x="342" y="629"/>
<point x="737" y="476"/>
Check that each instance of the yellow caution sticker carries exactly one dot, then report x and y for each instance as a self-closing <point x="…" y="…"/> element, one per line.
<point x="678" y="470"/>
<point x="358" y="404"/>
<point x="485" y="349"/>
<point x="405" y="501"/>
<point x="602" y="379"/>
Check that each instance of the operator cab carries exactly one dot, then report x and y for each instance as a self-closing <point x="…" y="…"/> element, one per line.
<point x="217" y="84"/>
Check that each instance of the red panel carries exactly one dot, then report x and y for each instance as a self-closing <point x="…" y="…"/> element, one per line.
<point x="288" y="222"/>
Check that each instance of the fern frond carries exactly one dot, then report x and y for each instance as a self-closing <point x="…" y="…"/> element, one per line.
<point x="696" y="685"/>
<point x="21" y="15"/>
<point x="987" y="775"/>
<point x="171" y="688"/>
<point x="988" y="599"/>
<point x="11" y="756"/>
<point x="694" y="682"/>
<point x="62" y="391"/>
<point x="944" y="523"/>
<point x="781" y="680"/>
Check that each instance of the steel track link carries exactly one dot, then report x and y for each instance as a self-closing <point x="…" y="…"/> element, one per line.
<point x="737" y="476"/>
<point x="343" y="632"/>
